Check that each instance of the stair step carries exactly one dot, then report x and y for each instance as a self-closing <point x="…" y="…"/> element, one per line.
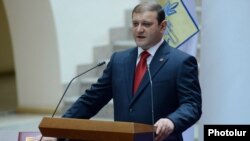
<point x="73" y="89"/>
<point x="123" y="44"/>
<point x="120" y="33"/>
<point x="93" y="73"/>
<point x="84" y="67"/>
<point x="101" y="53"/>
<point x="88" y="80"/>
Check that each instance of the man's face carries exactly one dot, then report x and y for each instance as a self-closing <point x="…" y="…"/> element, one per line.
<point x="146" y="30"/>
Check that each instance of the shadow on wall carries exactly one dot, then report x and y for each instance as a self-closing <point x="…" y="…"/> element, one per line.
<point x="8" y="100"/>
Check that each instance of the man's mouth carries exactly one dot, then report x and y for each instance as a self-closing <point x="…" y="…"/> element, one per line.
<point x="141" y="37"/>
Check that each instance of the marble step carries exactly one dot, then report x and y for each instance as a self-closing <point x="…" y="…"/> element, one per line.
<point x="124" y="32"/>
<point x="102" y="53"/>
<point x="96" y="72"/>
<point x="105" y="52"/>
<point x="123" y="44"/>
<point x="120" y="33"/>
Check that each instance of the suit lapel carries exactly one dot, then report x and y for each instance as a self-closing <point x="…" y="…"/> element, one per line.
<point x="130" y="71"/>
<point x="159" y="59"/>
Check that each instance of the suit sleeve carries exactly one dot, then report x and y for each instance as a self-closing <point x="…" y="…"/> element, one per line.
<point x="189" y="95"/>
<point x="94" y="98"/>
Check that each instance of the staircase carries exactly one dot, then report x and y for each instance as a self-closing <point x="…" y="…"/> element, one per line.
<point x="120" y="39"/>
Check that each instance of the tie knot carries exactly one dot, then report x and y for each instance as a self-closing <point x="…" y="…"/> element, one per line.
<point x="144" y="55"/>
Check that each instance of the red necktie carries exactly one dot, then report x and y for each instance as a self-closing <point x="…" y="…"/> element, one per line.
<point x="140" y="70"/>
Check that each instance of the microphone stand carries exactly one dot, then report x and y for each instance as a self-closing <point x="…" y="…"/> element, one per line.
<point x="152" y="99"/>
<point x="99" y="64"/>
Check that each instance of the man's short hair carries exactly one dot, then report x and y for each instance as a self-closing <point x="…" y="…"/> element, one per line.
<point x="150" y="6"/>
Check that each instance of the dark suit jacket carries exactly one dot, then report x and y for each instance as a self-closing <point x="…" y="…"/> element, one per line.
<point x="176" y="90"/>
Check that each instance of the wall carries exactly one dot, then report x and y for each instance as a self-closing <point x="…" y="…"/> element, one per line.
<point x="83" y="24"/>
<point x="35" y="54"/>
<point x="224" y="66"/>
<point x="51" y="37"/>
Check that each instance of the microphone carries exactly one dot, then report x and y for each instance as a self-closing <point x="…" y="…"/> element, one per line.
<point x="98" y="65"/>
<point x="152" y="99"/>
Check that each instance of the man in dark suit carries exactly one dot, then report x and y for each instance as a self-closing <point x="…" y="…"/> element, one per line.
<point x="176" y="89"/>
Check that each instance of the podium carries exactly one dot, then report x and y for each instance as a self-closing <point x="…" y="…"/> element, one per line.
<point x="94" y="130"/>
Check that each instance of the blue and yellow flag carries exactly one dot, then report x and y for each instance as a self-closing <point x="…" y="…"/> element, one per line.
<point x="180" y="24"/>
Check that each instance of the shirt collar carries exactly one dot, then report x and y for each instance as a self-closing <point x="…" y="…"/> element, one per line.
<point x="151" y="50"/>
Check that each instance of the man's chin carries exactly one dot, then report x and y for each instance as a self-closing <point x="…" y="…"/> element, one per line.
<point x="140" y="44"/>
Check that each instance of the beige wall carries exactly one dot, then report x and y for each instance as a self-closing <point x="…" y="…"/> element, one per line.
<point x="35" y="52"/>
<point x="50" y="38"/>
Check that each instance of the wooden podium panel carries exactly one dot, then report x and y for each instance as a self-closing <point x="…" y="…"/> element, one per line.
<point x="94" y="130"/>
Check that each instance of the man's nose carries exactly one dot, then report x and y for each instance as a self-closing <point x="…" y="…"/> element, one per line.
<point x="140" y="28"/>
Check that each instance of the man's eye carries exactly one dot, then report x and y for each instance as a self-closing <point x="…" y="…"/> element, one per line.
<point x="135" y="24"/>
<point x="147" y="24"/>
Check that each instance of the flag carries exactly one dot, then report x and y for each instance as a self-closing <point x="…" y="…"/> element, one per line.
<point x="182" y="29"/>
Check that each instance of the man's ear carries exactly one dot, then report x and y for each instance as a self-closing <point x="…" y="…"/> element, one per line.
<point x="163" y="26"/>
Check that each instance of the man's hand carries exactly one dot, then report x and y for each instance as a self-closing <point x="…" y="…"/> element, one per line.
<point x="164" y="127"/>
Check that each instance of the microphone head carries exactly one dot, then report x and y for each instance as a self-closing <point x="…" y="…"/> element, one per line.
<point x="101" y="63"/>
